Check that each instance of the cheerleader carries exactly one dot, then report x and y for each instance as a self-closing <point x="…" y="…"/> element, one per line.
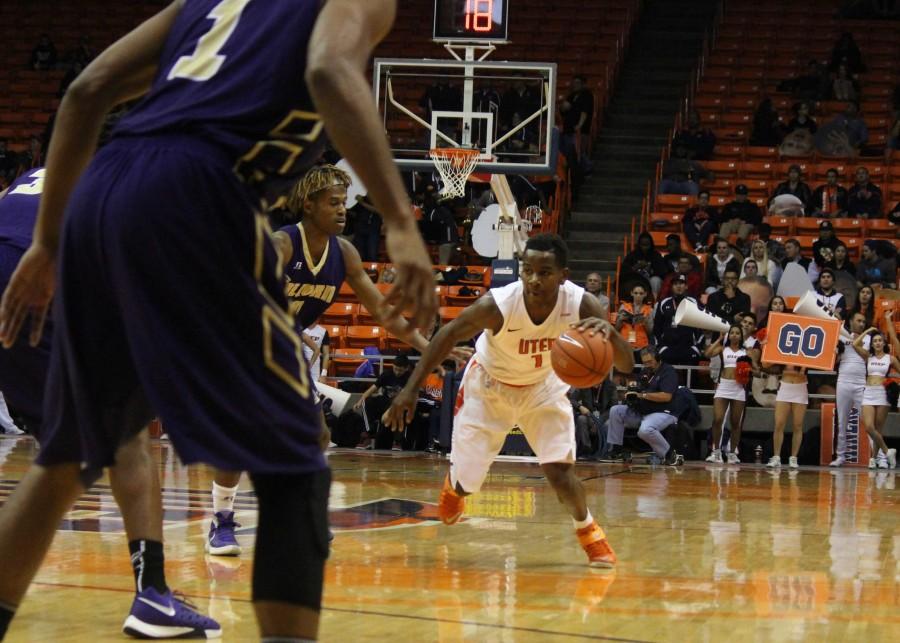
<point x="875" y="402"/>
<point x="730" y="391"/>
<point x="791" y="400"/>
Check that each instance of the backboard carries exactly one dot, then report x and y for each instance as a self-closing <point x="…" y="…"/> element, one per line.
<point x="505" y="110"/>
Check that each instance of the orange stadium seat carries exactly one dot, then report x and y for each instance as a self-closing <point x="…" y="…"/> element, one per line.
<point x="449" y="313"/>
<point x="780" y="225"/>
<point x="807" y="225"/>
<point x="666" y="221"/>
<point x="340" y="314"/>
<point x="336" y="336"/>
<point x="880" y="229"/>
<point x="676" y="203"/>
<point x="362" y="336"/>
<point x="848" y="227"/>
<point x="854" y="246"/>
<point x="345" y="294"/>
<point x="345" y="365"/>
<point x="758" y="170"/>
<point x="454" y="298"/>
<point x="757" y="153"/>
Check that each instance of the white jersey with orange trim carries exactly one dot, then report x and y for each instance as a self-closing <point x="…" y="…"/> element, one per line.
<point x="519" y="353"/>
<point x="730" y="357"/>
<point x="878" y="366"/>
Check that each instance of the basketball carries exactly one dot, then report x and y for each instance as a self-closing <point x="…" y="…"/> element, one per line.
<point x="580" y="359"/>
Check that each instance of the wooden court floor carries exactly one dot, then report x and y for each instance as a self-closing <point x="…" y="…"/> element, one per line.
<point x="707" y="553"/>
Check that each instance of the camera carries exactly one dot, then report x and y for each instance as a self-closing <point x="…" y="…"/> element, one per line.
<point x="633" y="394"/>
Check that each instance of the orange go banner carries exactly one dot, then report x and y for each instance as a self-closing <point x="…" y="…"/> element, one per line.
<point x="797" y="340"/>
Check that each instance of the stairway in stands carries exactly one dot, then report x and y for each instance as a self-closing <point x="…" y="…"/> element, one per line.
<point x="664" y="50"/>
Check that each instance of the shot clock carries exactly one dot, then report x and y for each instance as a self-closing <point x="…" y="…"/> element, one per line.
<point x="481" y="21"/>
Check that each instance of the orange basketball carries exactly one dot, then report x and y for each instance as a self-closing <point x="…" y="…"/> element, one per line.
<point x="581" y="360"/>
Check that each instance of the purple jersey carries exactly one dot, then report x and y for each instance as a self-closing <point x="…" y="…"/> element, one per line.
<point x="18" y="209"/>
<point x="232" y="73"/>
<point x="312" y="288"/>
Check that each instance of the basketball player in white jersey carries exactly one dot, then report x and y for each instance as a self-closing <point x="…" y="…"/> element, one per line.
<point x="851" y="383"/>
<point x="318" y="355"/>
<point x="510" y="382"/>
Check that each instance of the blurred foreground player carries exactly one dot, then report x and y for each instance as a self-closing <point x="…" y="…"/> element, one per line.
<point x="316" y="262"/>
<point x="510" y="382"/>
<point x="170" y="296"/>
<point x="134" y="479"/>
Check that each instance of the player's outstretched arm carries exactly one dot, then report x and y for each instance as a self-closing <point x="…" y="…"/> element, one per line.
<point x="591" y="319"/>
<point x="345" y="34"/>
<point x="124" y="71"/>
<point x="482" y="315"/>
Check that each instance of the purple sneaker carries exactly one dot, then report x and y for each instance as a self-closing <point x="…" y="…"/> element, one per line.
<point x="221" y="540"/>
<point x="165" y="616"/>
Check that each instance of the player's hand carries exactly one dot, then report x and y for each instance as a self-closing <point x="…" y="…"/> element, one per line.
<point x="888" y="314"/>
<point x="359" y="404"/>
<point x="594" y="325"/>
<point x="28" y="294"/>
<point x="401" y="411"/>
<point x="413" y="288"/>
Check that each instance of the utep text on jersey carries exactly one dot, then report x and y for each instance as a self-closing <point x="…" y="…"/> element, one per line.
<point x="232" y="73"/>
<point x="312" y="288"/>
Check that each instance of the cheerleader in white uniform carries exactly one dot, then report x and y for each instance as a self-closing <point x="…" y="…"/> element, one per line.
<point x="879" y="362"/>
<point x="729" y="393"/>
<point x="791" y="401"/>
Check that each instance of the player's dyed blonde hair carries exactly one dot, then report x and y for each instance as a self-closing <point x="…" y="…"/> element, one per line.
<point x="316" y="179"/>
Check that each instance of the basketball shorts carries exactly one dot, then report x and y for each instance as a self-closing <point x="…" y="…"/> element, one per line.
<point x="730" y="390"/>
<point x="170" y="302"/>
<point x="875" y="396"/>
<point x="793" y="392"/>
<point x="486" y="410"/>
<point x="23" y="368"/>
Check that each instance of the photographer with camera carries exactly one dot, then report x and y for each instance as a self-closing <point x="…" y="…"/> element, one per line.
<point x="646" y="407"/>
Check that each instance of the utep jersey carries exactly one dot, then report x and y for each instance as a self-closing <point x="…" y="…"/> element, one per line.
<point x="232" y="74"/>
<point x="311" y="288"/>
<point x="852" y="367"/>
<point x="18" y="209"/>
<point x="519" y="353"/>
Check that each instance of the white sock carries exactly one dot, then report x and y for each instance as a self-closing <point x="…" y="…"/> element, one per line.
<point x="581" y="524"/>
<point x="6" y="420"/>
<point x="223" y="497"/>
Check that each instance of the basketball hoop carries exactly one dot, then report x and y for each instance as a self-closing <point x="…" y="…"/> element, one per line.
<point x="454" y="164"/>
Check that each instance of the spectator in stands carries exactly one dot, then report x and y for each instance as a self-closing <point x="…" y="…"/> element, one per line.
<point x="698" y="140"/>
<point x="444" y="228"/>
<point x="844" y="135"/>
<point x="846" y="52"/>
<point x="681" y="175"/>
<point x="827" y="296"/>
<point x="792" y="254"/>
<point x="794" y="186"/>
<point x="43" y="56"/>
<point x="387" y="385"/>
<point x="442" y="96"/>
<point x="844" y="87"/>
<point x="83" y="53"/>
<point x="677" y="344"/>
<point x="366" y="228"/>
<point x="700" y="222"/>
<point x="865" y="305"/>
<point x="893" y="142"/>
<point x="729" y="300"/>
<point x="749" y="269"/>
<point x="646" y="262"/>
<point x="813" y="85"/>
<point x="71" y="74"/>
<point x="634" y="320"/>
<point x="765" y="267"/>
<point x="740" y="217"/>
<point x="593" y="283"/>
<point x="32" y="157"/>
<point x="674" y="252"/>
<point x="8" y="164"/>
<point x="802" y="120"/>
<point x="820" y="260"/>
<point x="687" y="270"/>
<point x="830" y="199"/>
<point x="776" y="305"/>
<point x="578" y="114"/>
<point x="774" y="248"/>
<point x="894" y="215"/>
<point x="864" y="199"/>
<point x="767" y="128"/>
<point x="586" y="423"/>
<point x="720" y="262"/>
<point x="841" y="261"/>
<point x="827" y="238"/>
<point x="517" y="103"/>
<point x="873" y="269"/>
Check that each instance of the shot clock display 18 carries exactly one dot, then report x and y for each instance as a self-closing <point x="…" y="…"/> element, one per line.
<point x="470" y="20"/>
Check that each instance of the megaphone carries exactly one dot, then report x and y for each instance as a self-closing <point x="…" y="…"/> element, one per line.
<point x="810" y="306"/>
<point x="687" y="314"/>
<point x="339" y="398"/>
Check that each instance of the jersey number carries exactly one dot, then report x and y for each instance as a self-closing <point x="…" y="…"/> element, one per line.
<point x="205" y="62"/>
<point x="35" y="187"/>
<point x="538" y="360"/>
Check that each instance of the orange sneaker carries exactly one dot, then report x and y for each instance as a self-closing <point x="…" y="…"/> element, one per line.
<point x="593" y="541"/>
<point x="451" y="505"/>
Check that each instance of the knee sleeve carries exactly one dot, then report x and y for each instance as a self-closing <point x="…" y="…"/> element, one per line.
<point x="291" y="538"/>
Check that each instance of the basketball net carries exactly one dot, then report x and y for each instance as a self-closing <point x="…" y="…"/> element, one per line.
<point x="454" y="164"/>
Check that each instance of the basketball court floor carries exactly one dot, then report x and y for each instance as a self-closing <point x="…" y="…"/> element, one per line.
<point x="705" y="552"/>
